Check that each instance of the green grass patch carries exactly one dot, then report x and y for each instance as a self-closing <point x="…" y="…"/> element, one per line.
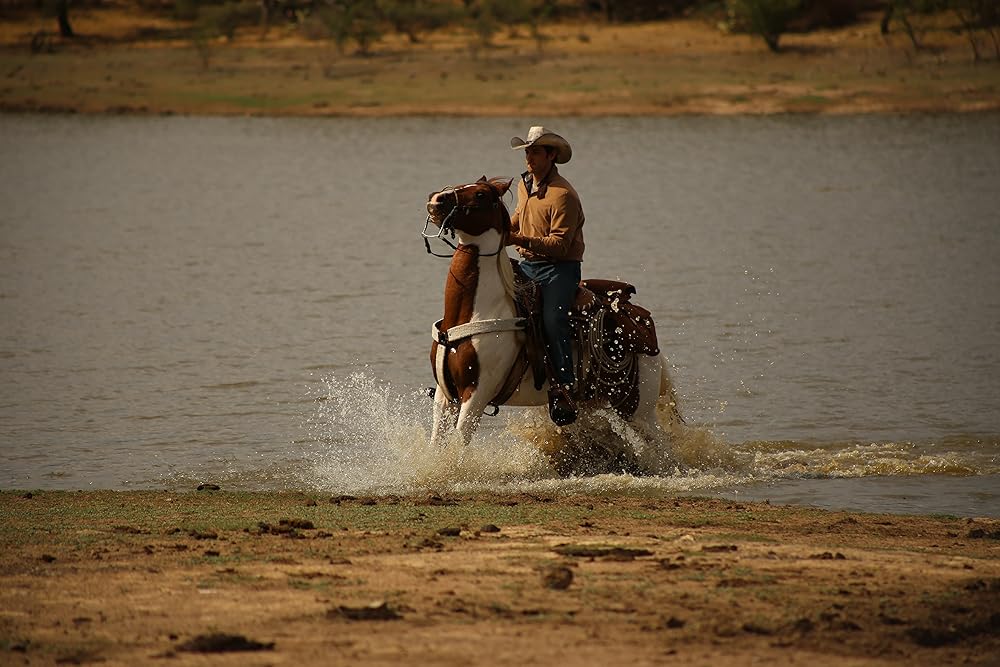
<point x="810" y="100"/>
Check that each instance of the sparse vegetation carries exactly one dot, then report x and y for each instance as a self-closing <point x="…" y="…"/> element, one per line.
<point x="979" y="16"/>
<point x="357" y="21"/>
<point x="768" y="19"/>
<point x="654" y="68"/>
<point x="225" y="19"/>
<point x="413" y="18"/>
<point x="366" y="23"/>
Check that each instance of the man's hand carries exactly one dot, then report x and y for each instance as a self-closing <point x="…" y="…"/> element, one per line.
<point x="517" y="239"/>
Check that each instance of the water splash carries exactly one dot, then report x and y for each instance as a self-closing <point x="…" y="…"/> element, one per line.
<point x="372" y="438"/>
<point x="838" y="460"/>
<point x="378" y="441"/>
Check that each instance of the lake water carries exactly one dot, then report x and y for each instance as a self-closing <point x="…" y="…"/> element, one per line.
<point x="247" y="301"/>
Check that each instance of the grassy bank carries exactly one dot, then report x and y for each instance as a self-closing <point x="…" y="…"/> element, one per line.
<point x="128" y="62"/>
<point x="142" y="577"/>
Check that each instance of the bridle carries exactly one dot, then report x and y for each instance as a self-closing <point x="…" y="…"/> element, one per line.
<point x="447" y="227"/>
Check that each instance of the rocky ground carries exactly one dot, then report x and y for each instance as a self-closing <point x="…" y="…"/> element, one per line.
<point x="212" y="577"/>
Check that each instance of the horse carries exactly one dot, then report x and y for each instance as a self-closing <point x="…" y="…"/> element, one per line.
<point x="482" y="348"/>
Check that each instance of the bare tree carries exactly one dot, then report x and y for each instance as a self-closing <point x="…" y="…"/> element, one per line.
<point x="60" y="9"/>
<point x="899" y="10"/>
<point x="979" y="15"/>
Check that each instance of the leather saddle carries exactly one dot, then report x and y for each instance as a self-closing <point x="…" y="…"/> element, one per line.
<point x="622" y="328"/>
<point x="631" y="324"/>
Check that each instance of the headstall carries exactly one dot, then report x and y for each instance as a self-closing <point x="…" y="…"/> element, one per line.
<point x="448" y="228"/>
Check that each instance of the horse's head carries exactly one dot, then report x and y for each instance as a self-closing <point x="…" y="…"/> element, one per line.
<point x="472" y="209"/>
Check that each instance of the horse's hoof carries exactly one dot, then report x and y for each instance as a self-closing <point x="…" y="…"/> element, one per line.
<point x="562" y="417"/>
<point x="562" y="411"/>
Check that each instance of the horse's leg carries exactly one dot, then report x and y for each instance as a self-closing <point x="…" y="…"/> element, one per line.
<point x="668" y="397"/>
<point x="470" y="414"/>
<point x="495" y="360"/>
<point x="444" y="417"/>
<point x="655" y="390"/>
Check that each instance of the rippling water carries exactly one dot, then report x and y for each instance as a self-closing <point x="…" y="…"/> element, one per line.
<point x="247" y="300"/>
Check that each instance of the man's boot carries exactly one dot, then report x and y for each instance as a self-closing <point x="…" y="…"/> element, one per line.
<point x="562" y="409"/>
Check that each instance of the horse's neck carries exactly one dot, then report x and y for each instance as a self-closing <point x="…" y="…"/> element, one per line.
<point x="475" y="289"/>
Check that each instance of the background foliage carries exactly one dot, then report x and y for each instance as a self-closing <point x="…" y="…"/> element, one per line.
<point x="363" y="23"/>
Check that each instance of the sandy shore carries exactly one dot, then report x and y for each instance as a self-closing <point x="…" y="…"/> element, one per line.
<point x="125" y="61"/>
<point x="159" y="578"/>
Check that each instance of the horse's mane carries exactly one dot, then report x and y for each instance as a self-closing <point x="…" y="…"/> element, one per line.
<point x="503" y="260"/>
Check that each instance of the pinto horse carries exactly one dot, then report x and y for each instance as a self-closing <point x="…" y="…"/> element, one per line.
<point x="481" y="347"/>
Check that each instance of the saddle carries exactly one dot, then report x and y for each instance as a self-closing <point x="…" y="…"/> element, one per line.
<point x="609" y="331"/>
<point x="631" y="323"/>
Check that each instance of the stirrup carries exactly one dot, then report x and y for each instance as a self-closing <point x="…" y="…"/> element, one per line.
<point x="562" y="410"/>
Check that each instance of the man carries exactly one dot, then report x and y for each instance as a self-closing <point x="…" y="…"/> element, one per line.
<point x="547" y="230"/>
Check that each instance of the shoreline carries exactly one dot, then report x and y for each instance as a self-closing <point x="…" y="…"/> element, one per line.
<point x="134" y="577"/>
<point x="930" y="109"/>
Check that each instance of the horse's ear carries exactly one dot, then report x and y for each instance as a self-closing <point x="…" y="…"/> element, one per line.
<point x="501" y="185"/>
<point x="482" y="179"/>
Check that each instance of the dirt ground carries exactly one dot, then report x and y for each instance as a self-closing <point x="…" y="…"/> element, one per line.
<point x="212" y="577"/>
<point x="126" y="60"/>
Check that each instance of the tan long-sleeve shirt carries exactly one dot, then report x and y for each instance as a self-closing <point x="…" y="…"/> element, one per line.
<point x="551" y="217"/>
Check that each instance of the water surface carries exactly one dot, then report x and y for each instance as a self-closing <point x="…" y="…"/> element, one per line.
<point x="177" y="294"/>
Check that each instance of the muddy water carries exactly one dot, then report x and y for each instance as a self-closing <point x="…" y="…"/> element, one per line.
<point x="247" y="300"/>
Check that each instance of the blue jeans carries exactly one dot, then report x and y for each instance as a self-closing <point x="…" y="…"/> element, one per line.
<point x="558" y="282"/>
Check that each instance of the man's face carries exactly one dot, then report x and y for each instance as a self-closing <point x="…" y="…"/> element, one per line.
<point x="539" y="160"/>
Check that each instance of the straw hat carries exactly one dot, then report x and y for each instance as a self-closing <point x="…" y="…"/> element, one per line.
<point x="539" y="136"/>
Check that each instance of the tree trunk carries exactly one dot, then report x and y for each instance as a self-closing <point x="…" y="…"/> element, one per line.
<point x="62" y="15"/>
<point x="968" y="22"/>
<point x="886" y="18"/>
<point x="910" y="31"/>
<point x="265" y="17"/>
<point x="608" y="6"/>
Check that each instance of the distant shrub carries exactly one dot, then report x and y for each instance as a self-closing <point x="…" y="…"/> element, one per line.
<point x="415" y="17"/>
<point x="979" y="15"/>
<point x="828" y="14"/>
<point x="927" y="6"/>
<point x="352" y="20"/>
<point x="973" y="16"/>
<point x="641" y="10"/>
<point x="768" y="19"/>
<point x="185" y="10"/>
<point x="485" y="18"/>
<point x="314" y="28"/>
<point x="224" y="20"/>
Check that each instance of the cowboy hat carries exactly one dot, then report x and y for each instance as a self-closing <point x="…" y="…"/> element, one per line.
<point x="539" y="136"/>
